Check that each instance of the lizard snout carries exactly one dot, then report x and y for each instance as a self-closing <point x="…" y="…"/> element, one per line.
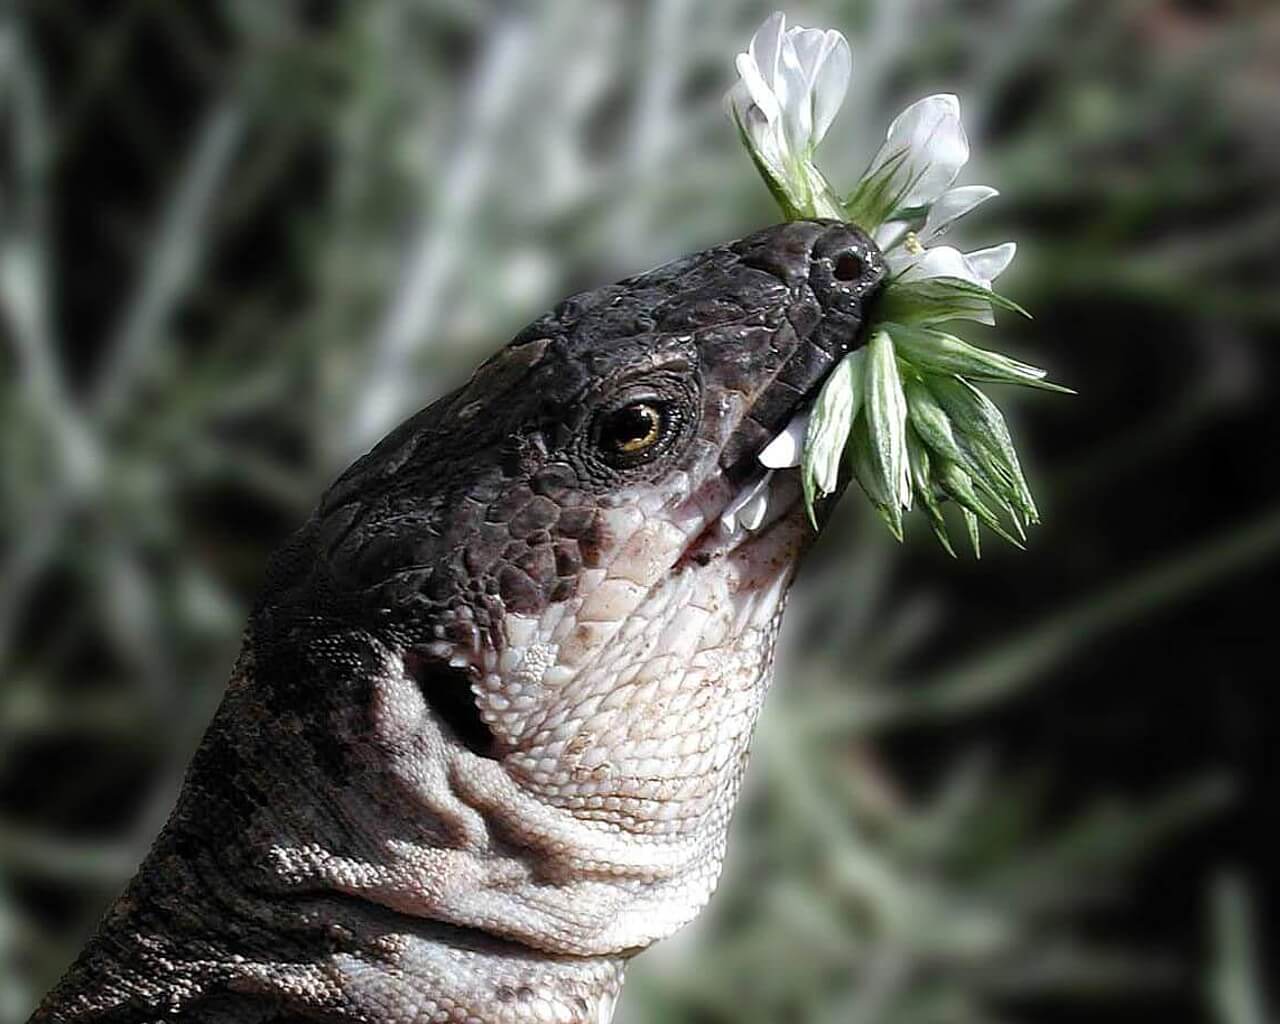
<point x="846" y="269"/>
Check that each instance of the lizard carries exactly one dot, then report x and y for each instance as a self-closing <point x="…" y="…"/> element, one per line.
<point x="494" y="701"/>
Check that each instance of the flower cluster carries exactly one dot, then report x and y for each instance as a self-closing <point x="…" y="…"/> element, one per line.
<point x="903" y="412"/>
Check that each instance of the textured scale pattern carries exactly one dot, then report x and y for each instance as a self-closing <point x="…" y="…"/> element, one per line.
<point x="495" y="701"/>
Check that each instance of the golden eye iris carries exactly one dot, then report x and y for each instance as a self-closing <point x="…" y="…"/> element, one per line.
<point x="633" y="428"/>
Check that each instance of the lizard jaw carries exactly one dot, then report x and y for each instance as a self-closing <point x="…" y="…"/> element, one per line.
<point x="760" y="505"/>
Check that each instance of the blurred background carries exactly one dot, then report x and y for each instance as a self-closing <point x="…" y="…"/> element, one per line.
<point x="239" y="240"/>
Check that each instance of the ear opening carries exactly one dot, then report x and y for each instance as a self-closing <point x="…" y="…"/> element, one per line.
<point x="447" y="691"/>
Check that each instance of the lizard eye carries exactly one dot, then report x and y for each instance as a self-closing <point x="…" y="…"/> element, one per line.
<point x="640" y="425"/>
<point x="631" y="429"/>
<point x="629" y="432"/>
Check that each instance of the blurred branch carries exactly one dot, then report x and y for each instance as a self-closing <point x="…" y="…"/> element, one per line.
<point x="1236" y="991"/>
<point x="30" y="710"/>
<point x="23" y="852"/>
<point x="172" y="258"/>
<point x="38" y="395"/>
<point x="448" y="211"/>
<point x="1104" y="839"/>
<point x="15" y="995"/>
<point x="1008" y="667"/>
<point x="1002" y="670"/>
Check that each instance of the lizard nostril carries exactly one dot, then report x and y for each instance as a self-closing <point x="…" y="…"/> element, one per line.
<point x="848" y="267"/>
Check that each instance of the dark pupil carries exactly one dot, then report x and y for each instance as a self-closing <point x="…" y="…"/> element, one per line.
<point x="632" y="428"/>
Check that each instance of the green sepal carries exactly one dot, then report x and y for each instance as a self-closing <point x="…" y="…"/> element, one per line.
<point x="923" y="487"/>
<point x="984" y="426"/>
<point x="876" y="197"/>
<point x="866" y="471"/>
<point x="938" y="352"/>
<point x="971" y="526"/>
<point x="819" y="198"/>
<point x="930" y="420"/>
<point x="830" y="422"/>
<point x="776" y="187"/>
<point x="886" y="410"/>
<point x="957" y="483"/>
<point x="953" y="442"/>
<point x="938" y="300"/>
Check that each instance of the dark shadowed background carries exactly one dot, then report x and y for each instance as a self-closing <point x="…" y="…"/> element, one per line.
<point x="240" y="239"/>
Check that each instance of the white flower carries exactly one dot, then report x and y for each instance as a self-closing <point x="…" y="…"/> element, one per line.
<point x="907" y="401"/>
<point x="908" y="200"/>
<point x="951" y="206"/>
<point x="921" y="158"/>
<point x="980" y="267"/>
<point x="923" y="152"/>
<point x="945" y="211"/>
<point x="790" y="87"/>
<point x="910" y="262"/>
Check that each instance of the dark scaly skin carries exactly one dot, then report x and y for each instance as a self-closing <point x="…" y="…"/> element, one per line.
<point x="494" y="702"/>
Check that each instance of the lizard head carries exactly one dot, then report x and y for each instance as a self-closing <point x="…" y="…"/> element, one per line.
<point x="523" y="628"/>
<point x="495" y="699"/>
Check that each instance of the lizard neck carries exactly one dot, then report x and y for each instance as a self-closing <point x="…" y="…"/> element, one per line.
<point x="282" y="885"/>
<point x="357" y="966"/>
<point x="326" y="961"/>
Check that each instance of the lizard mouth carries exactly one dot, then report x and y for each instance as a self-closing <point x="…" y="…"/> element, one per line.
<point x="762" y="506"/>
<point x="772" y="493"/>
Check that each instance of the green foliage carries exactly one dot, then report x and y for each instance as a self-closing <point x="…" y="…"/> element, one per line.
<point x="911" y="387"/>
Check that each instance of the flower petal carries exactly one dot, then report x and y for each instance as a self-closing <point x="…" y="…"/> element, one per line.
<point x="929" y="140"/>
<point x="783" y="451"/>
<point x="827" y="62"/>
<point x="737" y="101"/>
<point x="989" y="264"/>
<point x="940" y="261"/>
<point x="760" y="91"/>
<point x="795" y="96"/>
<point x="765" y="50"/>
<point x="832" y="418"/>
<point x="890" y="233"/>
<point x="808" y="45"/>
<point x="791" y="83"/>
<point x="755" y="108"/>
<point x="951" y="206"/>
